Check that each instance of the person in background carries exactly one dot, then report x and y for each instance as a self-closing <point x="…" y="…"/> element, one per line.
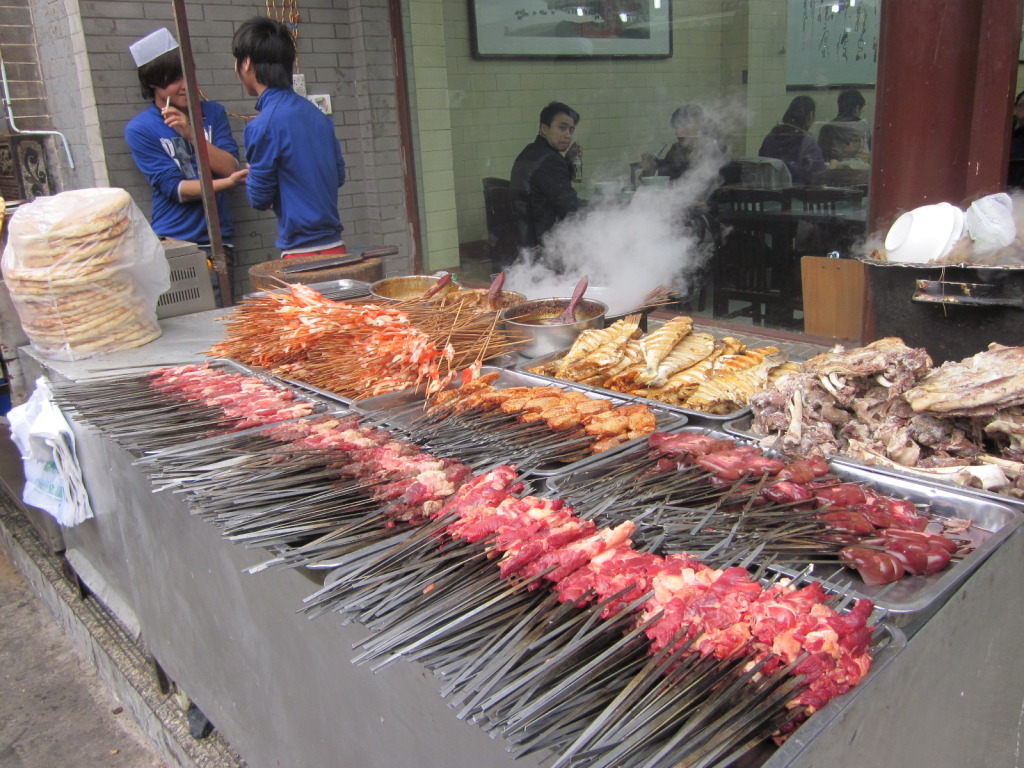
<point x="295" y="161"/>
<point x="161" y="139"/>
<point x="695" y="134"/>
<point x="846" y="136"/>
<point x="1015" y="175"/>
<point x="791" y="142"/>
<point x="541" y="178"/>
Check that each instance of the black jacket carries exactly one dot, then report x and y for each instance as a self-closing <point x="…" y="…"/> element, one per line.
<point x="797" y="149"/>
<point x="541" y="184"/>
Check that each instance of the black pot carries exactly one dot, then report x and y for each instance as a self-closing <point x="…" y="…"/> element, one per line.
<point x="953" y="312"/>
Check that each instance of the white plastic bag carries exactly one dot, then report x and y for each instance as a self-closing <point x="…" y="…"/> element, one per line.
<point x="84" y="270"/>
<point x="53" y="477"/>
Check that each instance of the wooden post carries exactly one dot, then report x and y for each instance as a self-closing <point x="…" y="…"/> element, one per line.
<point x="946" y="74"/>
<point x="202" y="154"/>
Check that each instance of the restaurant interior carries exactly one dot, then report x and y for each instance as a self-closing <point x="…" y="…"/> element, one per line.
<point x="735" y="250"/>
<point x="734" y="238"/>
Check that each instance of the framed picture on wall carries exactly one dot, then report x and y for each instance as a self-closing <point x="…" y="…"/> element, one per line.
<point x="570" y="28"/>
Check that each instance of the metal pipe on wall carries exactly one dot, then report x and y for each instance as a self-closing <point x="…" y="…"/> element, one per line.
<point x="8" y="108"/>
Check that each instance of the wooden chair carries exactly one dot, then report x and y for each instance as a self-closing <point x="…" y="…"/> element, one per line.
<point x="827" y="199"/>
<point x="832" y="232"/>
<point x="754" y="259"/>
<point x="842" y="177"/>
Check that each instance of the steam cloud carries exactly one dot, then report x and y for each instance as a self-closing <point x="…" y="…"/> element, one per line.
<point x="627" y="249"/>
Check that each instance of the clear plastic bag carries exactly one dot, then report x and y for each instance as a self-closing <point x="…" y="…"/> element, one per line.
<point x="84" y="270"/>
<point x="53" y="477"/>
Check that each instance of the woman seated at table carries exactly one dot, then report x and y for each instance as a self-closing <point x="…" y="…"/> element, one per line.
<point x="791" y="142"/>
<point x="696" y="135"/>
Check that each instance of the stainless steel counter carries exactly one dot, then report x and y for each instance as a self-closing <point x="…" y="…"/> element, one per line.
<point x="282" y="690"/>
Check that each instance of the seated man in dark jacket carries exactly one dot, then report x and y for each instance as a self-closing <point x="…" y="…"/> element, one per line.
<point x="541" y="179"/>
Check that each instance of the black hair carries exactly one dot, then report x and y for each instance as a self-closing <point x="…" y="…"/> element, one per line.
<point x="685" y="113"/>
<point x="269" y="46"/>
<point x="161" y="72"/>
<point x="849" y="101"/>
<point x="556" y="108"/>
<point x="800" y="112"/>
<point x="1016" y="101"/>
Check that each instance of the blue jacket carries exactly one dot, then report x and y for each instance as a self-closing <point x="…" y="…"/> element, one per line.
<point x="166" y="159"/>
<point x="296" y="168"/>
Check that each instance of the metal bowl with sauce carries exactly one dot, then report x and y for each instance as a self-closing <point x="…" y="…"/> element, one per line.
<point x="409" y="287"/>
<point x="534" y="322"/>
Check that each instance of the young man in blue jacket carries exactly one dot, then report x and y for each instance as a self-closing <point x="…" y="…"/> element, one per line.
<point x="295" y="161"/>
<point x="161" y="142"/>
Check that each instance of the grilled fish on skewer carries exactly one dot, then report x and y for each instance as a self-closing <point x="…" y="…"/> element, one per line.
<point x="597" y="341"/>
<point x="690" y="350"/>
<point x="659" y="343"/>
<point x="609" y="353"/>
<point x="732" y="391"/>
<point x="587" y="341"/>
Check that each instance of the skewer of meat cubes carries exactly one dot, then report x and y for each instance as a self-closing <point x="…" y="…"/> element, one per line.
<point x="294" y="482"/>
<point x="719" y="499"/>
<point x="635" y="659"/>
<point x="172" y="406"/>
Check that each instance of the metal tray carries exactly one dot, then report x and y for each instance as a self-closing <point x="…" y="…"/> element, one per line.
<point x="891" y="641"/>
<point x="888" y="641"/>
<point x="323" y="399"/>
<point x="335" y="290"/>
<point x="993" y="521"/>
<point x="741" y="427"/>
<point x="400" y="409"/>
<point x="690" y="414"/>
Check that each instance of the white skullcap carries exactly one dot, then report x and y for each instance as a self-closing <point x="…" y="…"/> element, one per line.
<point x="152" y="45"/>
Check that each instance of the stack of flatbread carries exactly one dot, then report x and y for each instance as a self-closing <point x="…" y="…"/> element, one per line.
<point x="65" y="268"/>
<point x="671" y="364"/>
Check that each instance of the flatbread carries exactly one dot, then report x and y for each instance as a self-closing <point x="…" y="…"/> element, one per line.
<point x="76" y="213"/>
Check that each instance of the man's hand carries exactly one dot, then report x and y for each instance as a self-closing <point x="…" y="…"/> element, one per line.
<point x="239" y="176"/>
<point x="177" y="121"/>
<point x="648" y="162"/>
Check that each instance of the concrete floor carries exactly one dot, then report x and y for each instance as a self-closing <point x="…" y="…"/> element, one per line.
<point x="55" y="710"/>
<point x="76" y="689"/>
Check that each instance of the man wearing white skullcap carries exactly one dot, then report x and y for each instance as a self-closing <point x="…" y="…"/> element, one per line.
<point x="161" y="142"/>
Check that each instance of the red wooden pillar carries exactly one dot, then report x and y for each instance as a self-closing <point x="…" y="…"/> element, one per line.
<point x="946" y="76"/>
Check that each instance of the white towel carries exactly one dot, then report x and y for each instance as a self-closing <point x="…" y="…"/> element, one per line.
<point x="990" y="222"/>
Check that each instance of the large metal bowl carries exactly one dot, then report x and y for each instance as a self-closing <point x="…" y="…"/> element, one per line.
<point x="408" y="287"/>
<point x="531" y="323"/>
